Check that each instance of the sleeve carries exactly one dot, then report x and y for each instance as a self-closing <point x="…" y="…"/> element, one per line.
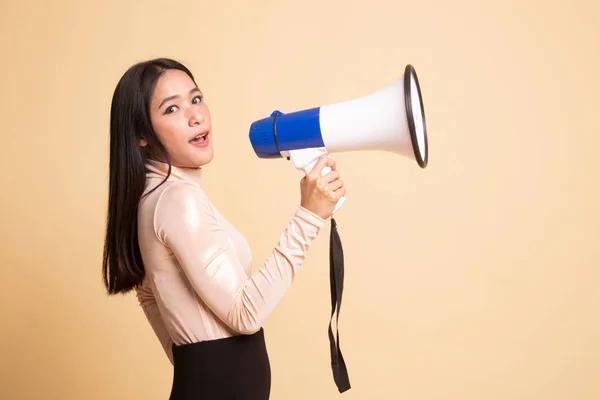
<point x="148" y="303"/>
<point x="186" y="223"/>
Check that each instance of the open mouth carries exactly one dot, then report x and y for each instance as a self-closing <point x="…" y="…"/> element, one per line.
<point x="200" y="138"/>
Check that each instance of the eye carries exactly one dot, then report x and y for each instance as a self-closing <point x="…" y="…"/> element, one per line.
<point x="170" y="110"/>
<point x="197" y="100"/>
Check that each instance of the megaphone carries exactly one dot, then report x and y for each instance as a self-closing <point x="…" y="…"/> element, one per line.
<point x="391" y="119"/>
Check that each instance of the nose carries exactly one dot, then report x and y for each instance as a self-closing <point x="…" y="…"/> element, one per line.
<point x="196" y="118"/>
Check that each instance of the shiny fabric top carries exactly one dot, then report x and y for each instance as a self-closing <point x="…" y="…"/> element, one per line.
<point x="198" y="283"/>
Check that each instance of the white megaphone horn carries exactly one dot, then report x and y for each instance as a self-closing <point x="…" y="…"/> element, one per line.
<point x="391" y="119"/>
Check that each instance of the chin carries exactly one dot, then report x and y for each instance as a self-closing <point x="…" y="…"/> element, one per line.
<point x="205" y="159"/>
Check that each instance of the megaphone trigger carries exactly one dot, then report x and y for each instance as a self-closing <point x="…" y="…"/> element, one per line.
<point x="306" y="159"/>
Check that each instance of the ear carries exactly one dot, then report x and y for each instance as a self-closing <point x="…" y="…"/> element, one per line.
<point x="143" y="142"/>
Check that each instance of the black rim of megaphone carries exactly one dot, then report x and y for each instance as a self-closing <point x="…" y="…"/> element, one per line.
<point x="408" y="72"/>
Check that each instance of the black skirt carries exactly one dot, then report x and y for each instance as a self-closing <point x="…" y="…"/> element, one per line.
<point x="235" y="368"/>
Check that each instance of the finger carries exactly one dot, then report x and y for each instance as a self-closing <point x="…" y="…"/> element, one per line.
<point x="328" y="178"/>
<point x="331" y="163"/>
<point x="339" y="193"/>
<point x="335" y="185"/>
<point x="321" y="163"/>
<point x="333" y="189"/>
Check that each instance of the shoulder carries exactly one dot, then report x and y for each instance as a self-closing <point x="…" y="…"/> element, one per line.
<point x="181" y="205"/>
<point x="181" y="193"/>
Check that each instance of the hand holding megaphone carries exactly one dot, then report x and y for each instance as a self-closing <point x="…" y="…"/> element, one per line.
<point x="322" y="190"/>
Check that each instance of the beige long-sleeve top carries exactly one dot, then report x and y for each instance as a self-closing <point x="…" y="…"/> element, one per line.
<point x="198" y="284"/>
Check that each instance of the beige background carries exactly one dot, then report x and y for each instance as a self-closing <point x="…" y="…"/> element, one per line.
<point x="475" y="278"/>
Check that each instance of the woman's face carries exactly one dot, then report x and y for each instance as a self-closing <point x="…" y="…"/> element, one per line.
<point x="181" y="120"/>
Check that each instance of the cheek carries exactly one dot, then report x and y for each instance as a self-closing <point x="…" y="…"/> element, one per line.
<point x="166" y="129"/>
<point x="205" y="111"/>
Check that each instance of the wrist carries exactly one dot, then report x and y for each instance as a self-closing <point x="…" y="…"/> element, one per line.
<point x="310" y="216"/>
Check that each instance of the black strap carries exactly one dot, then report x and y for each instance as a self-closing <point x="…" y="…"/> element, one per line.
<point x="274" y="115"/>
<point x="336" y="279"/>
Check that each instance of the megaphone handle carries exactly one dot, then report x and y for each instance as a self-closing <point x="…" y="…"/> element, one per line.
<point x="306" y="159"/>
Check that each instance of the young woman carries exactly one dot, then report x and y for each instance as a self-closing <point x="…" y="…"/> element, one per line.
<point x="190" y="268"/>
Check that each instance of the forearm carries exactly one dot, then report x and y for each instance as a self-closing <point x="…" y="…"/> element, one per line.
<point x="259" y="296"/>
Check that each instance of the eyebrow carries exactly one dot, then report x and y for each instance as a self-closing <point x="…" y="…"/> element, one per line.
<point x="175" y="96"/>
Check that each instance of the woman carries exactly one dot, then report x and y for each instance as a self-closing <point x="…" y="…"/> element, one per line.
<point x="190" y="268"/>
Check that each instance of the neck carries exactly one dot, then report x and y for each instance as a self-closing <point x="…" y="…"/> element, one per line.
<point x="193" y="174"/>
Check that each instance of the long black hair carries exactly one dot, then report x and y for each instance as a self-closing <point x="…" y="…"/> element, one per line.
<point x="122" y="266"/>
